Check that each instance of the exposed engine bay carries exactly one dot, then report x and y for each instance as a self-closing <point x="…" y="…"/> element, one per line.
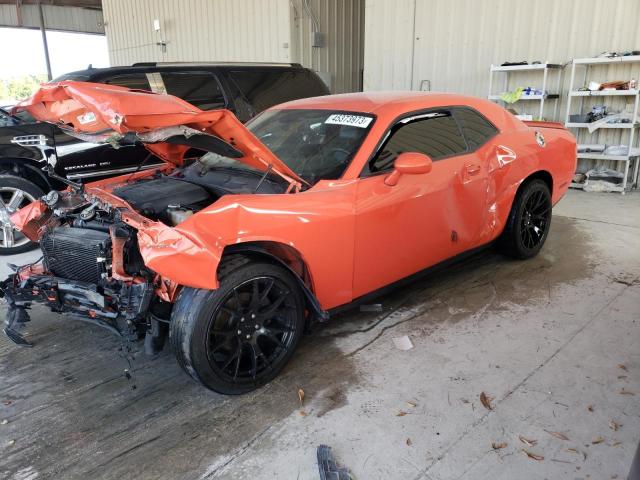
<point x="173" y="198"/>
<point x="91" y="266"/>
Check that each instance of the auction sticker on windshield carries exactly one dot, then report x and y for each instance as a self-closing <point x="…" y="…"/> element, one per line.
<point x="351" y="120"/>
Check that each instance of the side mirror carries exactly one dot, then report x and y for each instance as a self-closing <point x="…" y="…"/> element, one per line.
<point x="409" y="163"/>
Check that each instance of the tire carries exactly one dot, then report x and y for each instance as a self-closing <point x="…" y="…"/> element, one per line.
<point x="10" y="186"/>
<point x="529" y="221"/>
<point x="218" y="342"/>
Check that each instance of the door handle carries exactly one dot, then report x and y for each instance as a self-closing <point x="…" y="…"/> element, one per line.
<point x="472" y="169"/>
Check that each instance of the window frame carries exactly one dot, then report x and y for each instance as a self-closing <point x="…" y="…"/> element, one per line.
<point x="214" y="74"/>
<point x="415" y="116"/>
<point x="108" y="79"/>
<point x="457" y="108"/>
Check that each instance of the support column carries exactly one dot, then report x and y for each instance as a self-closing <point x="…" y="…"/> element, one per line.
<point x="44" y="40"/>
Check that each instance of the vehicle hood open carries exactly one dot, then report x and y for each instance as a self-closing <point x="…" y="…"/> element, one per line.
<point x="167" y="125"/>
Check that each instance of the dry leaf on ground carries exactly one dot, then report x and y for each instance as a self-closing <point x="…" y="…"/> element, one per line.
<point x="622" y="391"/>
<point x="559" y="435"/>
<point x="412" y="404"/>
<point x="622" y="366"/>
<point x="464" y="400"/>
<point x="527" y="441"/>
<point x="598" y="440"/>
<point x="614" y="425"/>
<point x="486" y="401"/>
<point x="590" y="408"/>
<point x="409" y="442"/>
<point x="532" y="455"/>
<point x="615" y="444"/>
<point x="401" y="413"/>
<point x="498" y="446"/>
<point x="584" y="455"/>
<point x="303" y="413"/>
<point x="301" y="396"/>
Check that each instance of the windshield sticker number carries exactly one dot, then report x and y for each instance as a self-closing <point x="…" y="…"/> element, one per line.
<point x="350" y="120"/>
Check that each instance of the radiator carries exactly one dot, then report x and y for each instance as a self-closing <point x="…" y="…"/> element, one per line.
<point x="76" y="253"/>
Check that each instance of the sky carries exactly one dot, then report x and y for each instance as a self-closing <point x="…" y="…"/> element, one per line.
<point x="22" y="52"/>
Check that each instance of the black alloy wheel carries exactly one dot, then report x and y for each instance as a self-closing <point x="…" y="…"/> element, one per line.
<point x="239" y="336"/>
<point x="535" y="218"/>
<point x="529" y="221"/>
<point x="252" y="330"/>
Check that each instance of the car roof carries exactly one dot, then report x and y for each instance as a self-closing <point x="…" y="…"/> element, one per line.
<point x="143" y="67"/>
<point x="392" y="104"/>
<point x="370" y="102"/>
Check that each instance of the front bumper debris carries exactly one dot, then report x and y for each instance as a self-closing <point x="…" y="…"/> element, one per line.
<point x="113" y="309"/>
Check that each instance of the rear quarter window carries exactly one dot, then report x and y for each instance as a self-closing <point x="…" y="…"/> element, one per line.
<point x="477" y="130"/>
<point x="266" y="88"/>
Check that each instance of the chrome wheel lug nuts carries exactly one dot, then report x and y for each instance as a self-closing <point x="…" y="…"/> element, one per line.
<point x="257" y="326"/>
<point x="253" y="315"/>
<point x="239" y="332"/>
<point x="248" y="336"/>
<point x="242" y="319"/>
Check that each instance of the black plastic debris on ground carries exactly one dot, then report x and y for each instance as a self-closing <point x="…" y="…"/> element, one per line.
<point x="329" y="469"/>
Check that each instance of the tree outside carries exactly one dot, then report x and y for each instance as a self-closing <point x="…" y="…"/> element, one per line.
<point x="14" y="89"/>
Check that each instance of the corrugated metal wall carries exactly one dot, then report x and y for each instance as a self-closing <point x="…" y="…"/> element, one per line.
<point x="197" y="30"/>
<point x="341" y="23"/>
<point x="452" y="43"/>
<point x="240" y="30"/>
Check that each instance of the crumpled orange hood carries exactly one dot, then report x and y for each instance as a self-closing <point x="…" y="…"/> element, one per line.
<point x="94" y="108"/>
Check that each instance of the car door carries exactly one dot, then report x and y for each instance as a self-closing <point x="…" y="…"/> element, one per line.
<point x="424" y="218"/>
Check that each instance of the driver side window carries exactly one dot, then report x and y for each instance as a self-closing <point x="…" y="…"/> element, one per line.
<point x="435" y="134"/>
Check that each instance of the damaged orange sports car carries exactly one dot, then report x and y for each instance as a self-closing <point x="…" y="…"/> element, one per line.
<point x="249" y="234"/>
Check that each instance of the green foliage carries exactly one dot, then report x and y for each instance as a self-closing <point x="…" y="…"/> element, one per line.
<point x="18" y="88"/>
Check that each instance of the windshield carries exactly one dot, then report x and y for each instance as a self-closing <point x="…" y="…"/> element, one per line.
<point x="315" y="144"/>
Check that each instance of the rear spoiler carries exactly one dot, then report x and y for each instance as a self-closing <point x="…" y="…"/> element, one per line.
<point x="536" y="124"/>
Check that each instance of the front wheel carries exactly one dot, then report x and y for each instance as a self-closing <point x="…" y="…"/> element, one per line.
<point x="15" y="193"/>
<point x="240" y="336"/>
<point x="529" y="221"/>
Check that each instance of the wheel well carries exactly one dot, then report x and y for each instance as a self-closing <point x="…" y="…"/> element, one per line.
<point x="27" y="170"/>
<point x="541" y="175"/>
<point x="278" y="254"/>
<point x="272" y="252"/>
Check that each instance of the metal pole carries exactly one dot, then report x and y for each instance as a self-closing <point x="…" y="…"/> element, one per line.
<point x="44" y="41"/>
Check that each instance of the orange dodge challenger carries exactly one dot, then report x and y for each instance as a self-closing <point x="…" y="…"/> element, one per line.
<point x="248" y="234"/>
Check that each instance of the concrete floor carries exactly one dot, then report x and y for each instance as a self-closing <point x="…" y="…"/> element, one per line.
<point x="554" y="342"/>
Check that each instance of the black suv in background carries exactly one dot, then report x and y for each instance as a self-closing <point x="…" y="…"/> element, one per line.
<point x="27" y="146"/>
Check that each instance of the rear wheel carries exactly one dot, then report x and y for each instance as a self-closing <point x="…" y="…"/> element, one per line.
<point x="240" y="336"/>
<point x="15" y="193"/>
<point x="529" y="221"/>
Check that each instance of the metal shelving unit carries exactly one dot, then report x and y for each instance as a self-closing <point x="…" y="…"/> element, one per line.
<point x="544" y="68"/>
<point x="631" y="126"/>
